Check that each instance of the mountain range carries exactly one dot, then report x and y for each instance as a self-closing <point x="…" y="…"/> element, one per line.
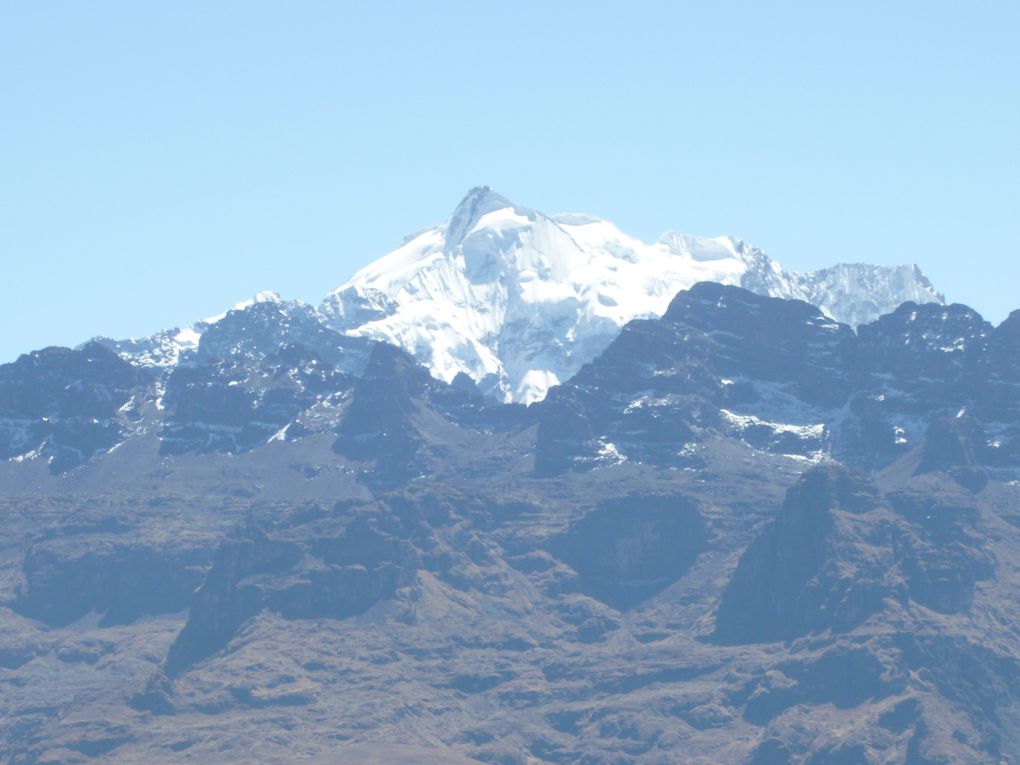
<point x="502" y="498"/>
<point x="519" y="301"/>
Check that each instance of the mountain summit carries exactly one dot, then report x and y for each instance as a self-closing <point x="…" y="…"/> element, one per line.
<point x="519" y="300"/>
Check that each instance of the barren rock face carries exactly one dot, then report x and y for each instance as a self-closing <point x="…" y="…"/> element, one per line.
<point x="806" y="572"/>
<point x="838" y="552"/>
<point x="336" y="568"/>
<point x="121" y="582"/>
<point x="626" y="550"/>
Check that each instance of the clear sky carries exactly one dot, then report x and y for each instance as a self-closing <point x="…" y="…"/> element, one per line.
<point x="160" y="161"/>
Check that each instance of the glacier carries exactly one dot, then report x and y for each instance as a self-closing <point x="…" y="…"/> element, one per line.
<point x="519" y="300"/>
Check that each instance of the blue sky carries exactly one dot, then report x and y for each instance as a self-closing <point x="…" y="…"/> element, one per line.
<point x="160" y="161"/>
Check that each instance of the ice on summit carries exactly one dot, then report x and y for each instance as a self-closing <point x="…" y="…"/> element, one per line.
<point x="520" y="300"/>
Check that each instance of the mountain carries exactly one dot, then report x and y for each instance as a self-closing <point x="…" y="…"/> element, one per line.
<point x="741" y="530"/>
<point x="165" y="348"/>
<point x="263" y="370"/>
<point x="780" y="376"/>
<point x="744" y="532"/>
<point x="519" y="300"/>
<point x="66" y="406"/>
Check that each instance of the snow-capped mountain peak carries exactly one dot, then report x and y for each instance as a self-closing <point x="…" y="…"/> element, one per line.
<point x="520" y="300"/>
<point x="476" y="204"/>
<point x="451" y="294"/>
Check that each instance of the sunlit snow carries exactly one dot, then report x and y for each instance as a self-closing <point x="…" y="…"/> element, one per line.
<point x="506" y="293"/>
